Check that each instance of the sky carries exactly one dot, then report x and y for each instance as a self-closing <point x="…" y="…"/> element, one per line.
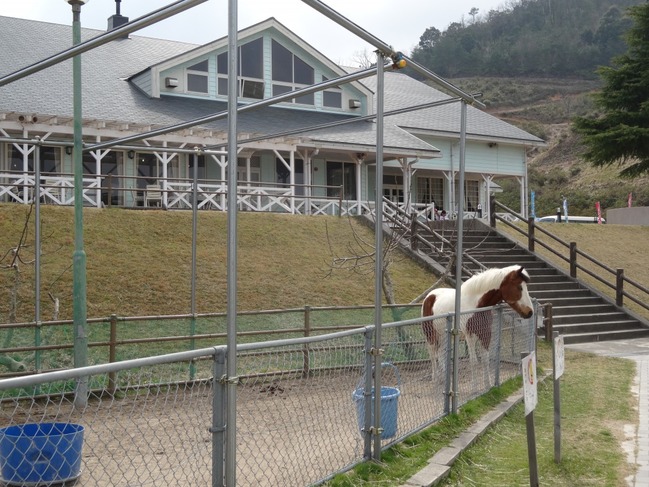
<point x="398" y="23"/>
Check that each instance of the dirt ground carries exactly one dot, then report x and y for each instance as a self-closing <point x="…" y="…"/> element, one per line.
<point x="290" y="432"/>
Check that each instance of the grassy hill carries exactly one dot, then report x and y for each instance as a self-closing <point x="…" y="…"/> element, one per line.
<point x="545" y="108"/>
<point x="139" y="262"/>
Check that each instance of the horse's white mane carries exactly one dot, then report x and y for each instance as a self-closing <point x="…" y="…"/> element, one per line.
<point x="489" y="279"/>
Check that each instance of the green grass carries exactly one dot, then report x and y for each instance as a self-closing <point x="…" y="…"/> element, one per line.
<point x="139" y="262"/>
<point x="596" y="403"/>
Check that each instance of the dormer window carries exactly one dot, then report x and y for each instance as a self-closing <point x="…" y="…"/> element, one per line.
<point x="197" y="77"/>
<point x="251" y="71"/>
<point x="290" y="73"/>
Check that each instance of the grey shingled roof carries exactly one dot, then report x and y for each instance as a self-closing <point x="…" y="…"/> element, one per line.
<point x="109" y="97"/>
<point x="403" y="91"/>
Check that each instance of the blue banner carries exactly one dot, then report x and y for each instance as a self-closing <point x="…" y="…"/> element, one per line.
<point x="532" y="205"/>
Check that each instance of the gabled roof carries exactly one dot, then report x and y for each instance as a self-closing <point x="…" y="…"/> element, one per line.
<point x="109" y="97"/>
<point x="271" y="25"/>
<point x="403" y="91"/>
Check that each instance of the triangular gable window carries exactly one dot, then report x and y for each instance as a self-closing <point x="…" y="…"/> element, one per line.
<point x="250" y="67"/>
<point x="290" y="73"/>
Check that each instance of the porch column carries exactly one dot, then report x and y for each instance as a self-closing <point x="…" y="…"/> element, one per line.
<point x="359" y="163"/>
<point x="448" y="200"/>
<point x="98" y="155"/>
<point x="307" y="157"/>
<point x="292" y="170"/>
<point x="523" y="194"/>
<point x="488" y="178"/>
<point x="406" y="169"/>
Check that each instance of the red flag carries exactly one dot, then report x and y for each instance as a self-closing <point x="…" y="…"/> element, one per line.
<point x="630" y="199"/>
<point x="599" y="213"/>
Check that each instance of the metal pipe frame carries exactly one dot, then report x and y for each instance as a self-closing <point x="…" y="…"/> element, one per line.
<point x="132" y="26"/>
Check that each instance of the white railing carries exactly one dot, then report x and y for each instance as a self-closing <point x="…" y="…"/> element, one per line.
<point x="58" y="190"/>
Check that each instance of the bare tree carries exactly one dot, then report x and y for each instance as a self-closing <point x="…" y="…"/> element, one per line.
<point x="364" y="59"/>
<point x="13" y="260"/>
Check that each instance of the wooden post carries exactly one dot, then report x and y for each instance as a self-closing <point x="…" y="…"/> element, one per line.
<point x="531" y="444"/>
<point x="547" y="318"/>
<point x="619" y="287"/>
<point x="492" y="211"/>
<point x="530" y="234"/>
<point x="573" y="259"/>
<point x="413" y="231"/>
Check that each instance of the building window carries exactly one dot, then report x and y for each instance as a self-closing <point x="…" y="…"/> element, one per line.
<point x="430" y="190"/>
<point x="50" y="160"/>
<point x="341" y="176"/>
<point x="251" y="71"/>
<point x="472" y="195"/>
<point x="197" y="77"/>
<point x="250" y="175"/>
<point x="290" y="73"/>
<point x="332" y="97"/>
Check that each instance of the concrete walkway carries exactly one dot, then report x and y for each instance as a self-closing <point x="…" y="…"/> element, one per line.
<point x="636" y="446"/>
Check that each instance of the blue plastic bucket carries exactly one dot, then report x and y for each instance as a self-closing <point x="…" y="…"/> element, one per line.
<point x="389" y="409"/>
<point x="37" y="454"/>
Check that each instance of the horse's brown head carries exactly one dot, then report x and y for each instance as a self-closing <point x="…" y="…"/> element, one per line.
<point x="514" y="291"/>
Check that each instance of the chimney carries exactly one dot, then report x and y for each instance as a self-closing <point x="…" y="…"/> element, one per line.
<point x="117" y="20"/>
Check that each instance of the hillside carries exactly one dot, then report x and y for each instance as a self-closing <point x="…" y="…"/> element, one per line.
<point x="139" y="262"/>
<point x="545" y="107"/>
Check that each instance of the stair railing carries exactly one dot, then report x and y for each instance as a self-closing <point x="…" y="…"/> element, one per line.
<point x="412" y="225"/>
<point x="612" y="278"/>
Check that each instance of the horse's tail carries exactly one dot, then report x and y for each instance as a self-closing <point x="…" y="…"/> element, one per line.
<point x="428" y="327"/>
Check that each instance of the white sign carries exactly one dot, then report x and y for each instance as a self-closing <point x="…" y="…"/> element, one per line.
<point x="559" y="354"/>
<point x="529" y="382"/>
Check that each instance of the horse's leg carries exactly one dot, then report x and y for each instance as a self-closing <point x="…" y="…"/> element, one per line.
<point x="472" y="345"/>
<point x="485" y="363"/>
<point x="433" y="353"/>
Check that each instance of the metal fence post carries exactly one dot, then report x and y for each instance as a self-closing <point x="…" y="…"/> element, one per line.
<point x="448" y="385"/>
<point x="306" y="366"/>
<point x="456" y="364"/>
<point x="500" y="320"/>
<point x="367" y="397"/>
<point x="112" y="352"/>
<point x="219" y="421"/>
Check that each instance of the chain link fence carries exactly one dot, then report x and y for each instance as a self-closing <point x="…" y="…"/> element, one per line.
<point x="301" y="409"/>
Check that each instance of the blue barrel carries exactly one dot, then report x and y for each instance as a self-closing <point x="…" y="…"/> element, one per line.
<point x="40" y="453"/>
<point x="389" y="409"/>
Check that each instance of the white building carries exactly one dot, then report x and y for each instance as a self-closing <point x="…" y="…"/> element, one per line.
<point x="287" y="161"/>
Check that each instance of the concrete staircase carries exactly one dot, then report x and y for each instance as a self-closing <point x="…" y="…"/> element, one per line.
<point x="579" y="313"/>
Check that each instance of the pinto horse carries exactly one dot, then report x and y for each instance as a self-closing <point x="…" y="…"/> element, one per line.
<point x="482" y="290"/>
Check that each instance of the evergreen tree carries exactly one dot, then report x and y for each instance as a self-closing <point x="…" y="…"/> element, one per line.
<point x="621" y="133"/>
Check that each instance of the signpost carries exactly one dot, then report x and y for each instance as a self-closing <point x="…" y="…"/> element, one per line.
<point x="530" y="397"/>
